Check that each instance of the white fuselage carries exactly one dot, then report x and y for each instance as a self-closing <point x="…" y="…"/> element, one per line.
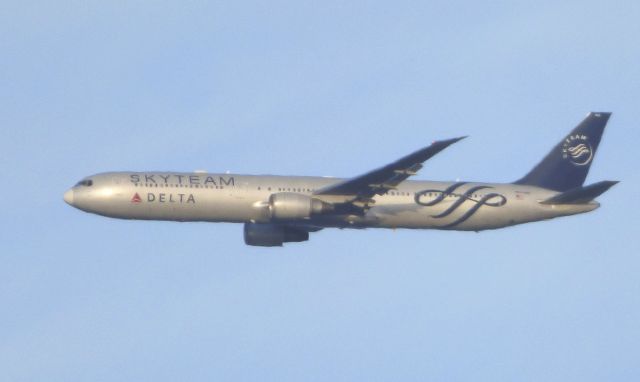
<point x="244" y="198"/>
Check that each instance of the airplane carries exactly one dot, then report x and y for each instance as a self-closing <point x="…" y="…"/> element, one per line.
<point x="282" y="209"/>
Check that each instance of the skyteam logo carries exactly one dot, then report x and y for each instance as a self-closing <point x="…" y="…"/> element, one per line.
<point x="577" y="149"/>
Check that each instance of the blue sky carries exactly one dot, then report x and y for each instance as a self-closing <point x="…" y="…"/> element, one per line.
<point x="313" y="88"/>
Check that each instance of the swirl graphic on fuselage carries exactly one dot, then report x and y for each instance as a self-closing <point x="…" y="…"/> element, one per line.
<point x="490" y="199"/>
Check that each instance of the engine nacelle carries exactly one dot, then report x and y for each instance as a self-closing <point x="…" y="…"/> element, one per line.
<point x="272" y="235"/>
<point x="292" y="206"/>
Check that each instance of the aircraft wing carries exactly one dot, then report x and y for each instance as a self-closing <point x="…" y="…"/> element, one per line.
<point x="383" y="179"/>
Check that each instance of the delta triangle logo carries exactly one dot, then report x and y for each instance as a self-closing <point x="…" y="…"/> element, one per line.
<point x="136" y="198"/>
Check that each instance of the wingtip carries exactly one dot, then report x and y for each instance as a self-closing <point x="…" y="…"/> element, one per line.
<point x="452" y="140"/>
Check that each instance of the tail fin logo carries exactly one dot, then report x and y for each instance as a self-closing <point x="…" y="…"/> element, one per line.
<point x="577" y="149"/>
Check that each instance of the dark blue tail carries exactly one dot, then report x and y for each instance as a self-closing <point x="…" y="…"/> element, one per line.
<point x="567" y="165"/>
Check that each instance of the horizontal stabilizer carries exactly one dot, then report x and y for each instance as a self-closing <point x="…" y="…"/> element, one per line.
<point x="581" y="195"/>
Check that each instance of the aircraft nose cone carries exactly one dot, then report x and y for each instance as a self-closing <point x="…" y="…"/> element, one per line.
<point x="68" y="196"/>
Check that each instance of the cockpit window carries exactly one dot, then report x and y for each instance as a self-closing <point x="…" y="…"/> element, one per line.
<point x="85" y="182"/>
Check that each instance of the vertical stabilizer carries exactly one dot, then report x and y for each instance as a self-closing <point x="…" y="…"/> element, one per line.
<point x="567" y="165"/>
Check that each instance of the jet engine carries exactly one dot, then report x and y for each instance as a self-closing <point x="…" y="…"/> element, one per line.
<point x="292" y="206"/>
<point x="272" y="235"/>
